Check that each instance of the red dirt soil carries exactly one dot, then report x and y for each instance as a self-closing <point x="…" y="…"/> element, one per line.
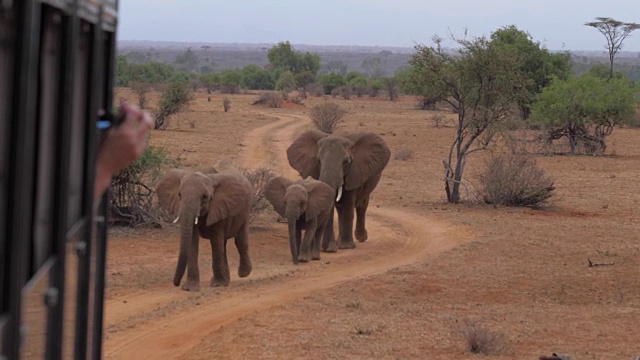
<point x="426" y="269"/>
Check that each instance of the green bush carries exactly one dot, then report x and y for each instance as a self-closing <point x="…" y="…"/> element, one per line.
<point x="174" y="97"/>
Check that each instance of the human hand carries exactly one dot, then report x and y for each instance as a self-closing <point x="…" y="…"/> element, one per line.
<point x="121" y="146"/>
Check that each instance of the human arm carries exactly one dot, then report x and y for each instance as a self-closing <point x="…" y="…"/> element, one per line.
<point x="121" y="146"/>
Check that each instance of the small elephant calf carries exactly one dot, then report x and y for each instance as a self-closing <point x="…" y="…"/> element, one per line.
<point x="306" y="204"/>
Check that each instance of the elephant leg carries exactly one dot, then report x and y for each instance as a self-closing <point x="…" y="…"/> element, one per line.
<point x="299" y="225"/>
<point x="317" y="238"/>
<point x="362" y="203"/>
<point x="329" y="239"/>
<point x="242" y="243"/>
<point x="345" y="220"/>
<point x="193" y="272"/>
<point x="361" y="211"/>
<point x="220" y="266"/>
<point x="309" y="234"/>
<point x="227" y="274"/>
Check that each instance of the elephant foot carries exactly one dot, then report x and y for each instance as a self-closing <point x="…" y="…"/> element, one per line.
<point x="331" y="248"/>
<point x="362" y="236"/>
<point x="191" y="285"/>
<point x="303" y="259"/>
<point x="245" y="269"/>
<point x="315" y="255"/>
<point x="219" y="283"/>
<point x="347" y="245"/>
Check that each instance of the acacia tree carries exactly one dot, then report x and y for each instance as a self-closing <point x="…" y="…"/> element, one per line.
<point x="585" y="110"/>
<point x="482" y="83"/>
<point x="615" y="32"/>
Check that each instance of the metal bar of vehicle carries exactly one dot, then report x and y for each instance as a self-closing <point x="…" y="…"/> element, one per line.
<point x="57" y="60"/>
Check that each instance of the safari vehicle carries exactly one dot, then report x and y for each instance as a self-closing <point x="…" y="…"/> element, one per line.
<point x="56" y="76"/>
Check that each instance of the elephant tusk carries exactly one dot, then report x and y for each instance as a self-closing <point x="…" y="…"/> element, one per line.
<point x="176" y="220"/>
<point x="339" y="194"/>
<point x="196" y="221"/>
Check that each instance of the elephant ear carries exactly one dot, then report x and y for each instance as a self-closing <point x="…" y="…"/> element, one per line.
<point x="302" y="153"/>
<point x="321" y="197"/>
<point x="274" y="192"/>
<point x="167" y="190"/>
<point x="229" y="197"/>
<point x="370" y="155"/>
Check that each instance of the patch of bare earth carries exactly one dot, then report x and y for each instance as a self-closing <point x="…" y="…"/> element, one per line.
<point x="406" y="292"/>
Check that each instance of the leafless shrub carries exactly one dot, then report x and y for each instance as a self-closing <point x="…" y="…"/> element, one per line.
<point x="192" y="123"/>
<point x="141" y="89"/>
<point x="404" y="154"/>
<point x="363" y="330"/>
<point x="230" y="89"/>
<point x="392" y="88"/>
<point x="482" y="341"/>
<point x="195" y="85"/>
<point x="327" y="116"/>
<point x="439" y="120"/>
<point x="315" y="89"/>
<point x="514" y="180"/>
<point x="258" y="177"/>
<point x="342" y="91"/>
<point x="270" y="99"/>
<point x="426" y="103"/>
<point x="297" y="99"/>
<point x="226" y="104"/>
<point x="359" y="91"/>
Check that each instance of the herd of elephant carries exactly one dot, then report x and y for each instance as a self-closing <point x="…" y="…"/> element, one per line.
<point x="337" y="172"/>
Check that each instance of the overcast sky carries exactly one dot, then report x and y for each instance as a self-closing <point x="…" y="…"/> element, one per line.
<point x="556" y="23"/>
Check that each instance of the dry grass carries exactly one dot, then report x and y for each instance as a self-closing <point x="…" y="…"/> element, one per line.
<point x="404" y="154"/>
<point x="479" y="340"/>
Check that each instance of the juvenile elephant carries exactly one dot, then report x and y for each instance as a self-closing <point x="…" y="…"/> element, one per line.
<point x="306" y="204"/>
<point x="214" y="206"/>
<point x="352" y="165"/>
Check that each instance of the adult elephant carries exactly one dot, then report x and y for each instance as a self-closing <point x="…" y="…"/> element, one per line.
<point x="214" y="206"/>
<point x="352" y="165"/>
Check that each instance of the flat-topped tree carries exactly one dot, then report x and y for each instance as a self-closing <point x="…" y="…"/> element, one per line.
<point x="615" y="32"/>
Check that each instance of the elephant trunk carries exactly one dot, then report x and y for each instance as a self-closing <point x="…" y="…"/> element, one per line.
<point x="187" y="229"/>
<point x="334" y="178"/>
<point x="292" y="222"/>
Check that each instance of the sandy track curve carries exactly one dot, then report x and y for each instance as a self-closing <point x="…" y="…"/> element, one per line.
<point x="397" y="238"/>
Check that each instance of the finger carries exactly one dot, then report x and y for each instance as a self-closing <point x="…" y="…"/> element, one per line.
<point x="147" y="120"/>
<point x="132" y="114"/>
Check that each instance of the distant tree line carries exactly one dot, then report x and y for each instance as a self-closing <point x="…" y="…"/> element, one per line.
<point x="287" y="70"/>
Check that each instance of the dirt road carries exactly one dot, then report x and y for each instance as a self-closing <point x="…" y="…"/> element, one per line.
<point x="166" y="323"/>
